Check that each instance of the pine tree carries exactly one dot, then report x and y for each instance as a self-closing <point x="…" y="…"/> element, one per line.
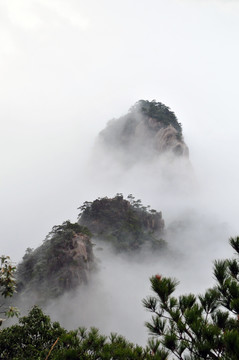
<point x="198" y="327"/>
<point x="37" y="337"/>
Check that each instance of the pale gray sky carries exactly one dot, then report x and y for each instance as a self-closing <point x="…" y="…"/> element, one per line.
<point x="68" y="66"/>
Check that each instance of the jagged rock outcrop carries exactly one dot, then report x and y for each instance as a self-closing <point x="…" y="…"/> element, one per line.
<point x="60" y="264"/>
<point x="125" y="224"/>
<point x="149" y="129"/>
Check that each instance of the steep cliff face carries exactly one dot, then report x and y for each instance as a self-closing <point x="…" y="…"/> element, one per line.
<point x="61" y="263"/>
<point x="125" y="224"/>
<point x="149" y="129"/>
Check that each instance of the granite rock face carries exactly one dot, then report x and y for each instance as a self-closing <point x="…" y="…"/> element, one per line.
<point x="62" y="263"/>
<point x="150" y="129"/>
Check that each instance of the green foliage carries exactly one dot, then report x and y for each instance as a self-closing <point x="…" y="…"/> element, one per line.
<point x="157" y="111"/>
<point x="36" y="337"/>
<point x="32" y="338"/>
<point x="202" y="327"/>
<point x="7" y="286"/>
<point x="7" y="280"/>
<point x="67" y="226"/>
<point x="59" y="263"/>
<point x="126" y="224"/>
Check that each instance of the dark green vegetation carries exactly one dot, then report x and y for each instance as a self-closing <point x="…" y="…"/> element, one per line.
<point x="61" y="263"/>
<point x="198" y="327"/>
<point x="126" y="224"/>
<point x="149" y="129"/>
<point x="158" y="111"/>
<point x="36" y="337"/>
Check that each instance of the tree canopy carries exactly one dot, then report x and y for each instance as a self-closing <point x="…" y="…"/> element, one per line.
<point x="37" y="337"/>
<point x="198" y="327"/>
<point x="158" y="111"/>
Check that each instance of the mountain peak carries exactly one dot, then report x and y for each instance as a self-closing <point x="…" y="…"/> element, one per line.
<point x="149" y="129"/>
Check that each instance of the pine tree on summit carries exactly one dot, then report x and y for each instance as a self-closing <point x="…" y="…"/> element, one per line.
<point x="198" y="327"/>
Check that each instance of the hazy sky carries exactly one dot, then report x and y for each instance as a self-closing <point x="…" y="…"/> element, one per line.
<point x="68" y="66"/>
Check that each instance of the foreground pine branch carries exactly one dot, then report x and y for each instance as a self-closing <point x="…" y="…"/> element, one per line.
<point x="198" y="327"/>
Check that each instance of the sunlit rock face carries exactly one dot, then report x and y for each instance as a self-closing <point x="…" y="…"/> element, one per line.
<point x="150" y="129"/>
